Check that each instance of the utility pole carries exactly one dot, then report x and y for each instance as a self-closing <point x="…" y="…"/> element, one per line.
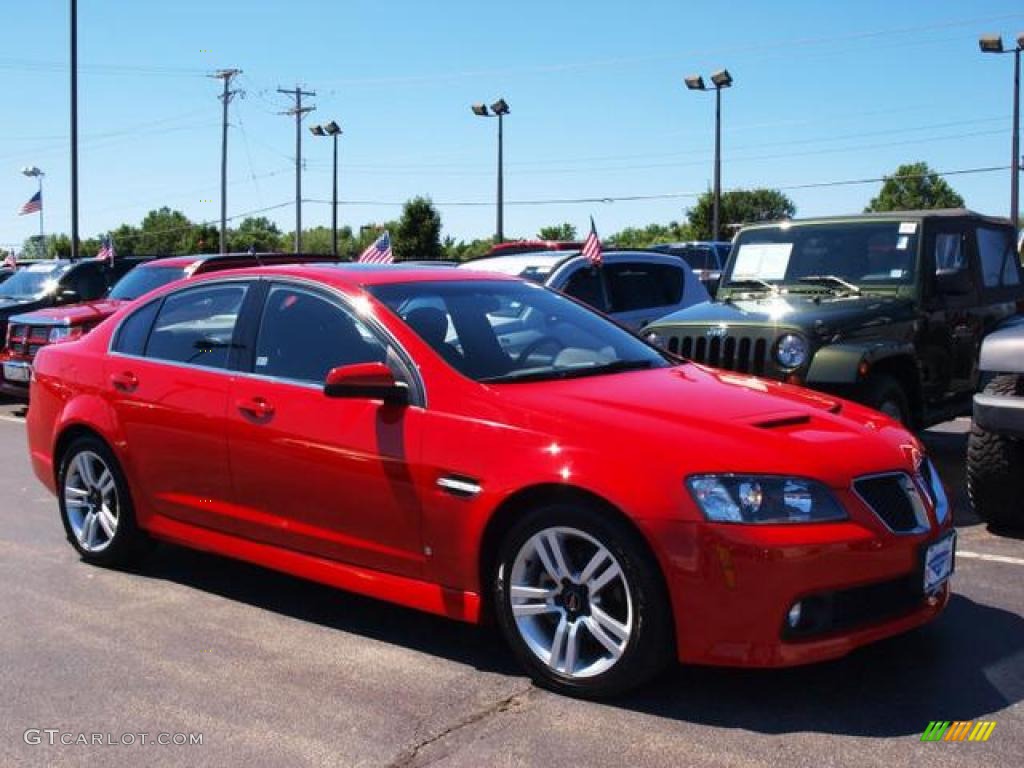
<point x="227" y="75"/>
<point x="74" y="130"/>
<point x="298" y="111"/>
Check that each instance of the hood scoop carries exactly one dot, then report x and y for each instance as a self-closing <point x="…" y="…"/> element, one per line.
<point x="783" y="420"/>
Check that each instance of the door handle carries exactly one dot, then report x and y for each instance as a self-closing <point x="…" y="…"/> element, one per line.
<point x="125" y="381"/>
<point x="256" y="408"/>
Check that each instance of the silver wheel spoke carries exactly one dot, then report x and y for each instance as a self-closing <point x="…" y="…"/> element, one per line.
<point x="600" y="558"/>
<point x="572" y="647"/>
<point x="105" y="483"/>
<point x="558" y="643"/>
<point x="549" y="550"/>
<point x="88" y="530"/>
<point x="85" y="470"/>
<point x="599" y="583"/>
<point x="603" y="637"/>
<point x="532" y="601"/>
<point x="107" y="521"/>
<point x="615" y="628"/>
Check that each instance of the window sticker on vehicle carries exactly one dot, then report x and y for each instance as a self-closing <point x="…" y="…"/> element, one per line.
<point x="897" y="273"/>
<point x="908" y="227"/>
<point x="902" y="243"/>
<point x="262" y="361"/>
<point x="766" y="261"/>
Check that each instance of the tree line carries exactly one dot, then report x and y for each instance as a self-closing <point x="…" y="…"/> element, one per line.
<point x="416" y="234"/>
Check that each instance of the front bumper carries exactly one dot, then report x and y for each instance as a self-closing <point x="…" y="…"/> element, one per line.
<point x="15" y="375"/>
<point x="732" y="587"/>
<point x="1001" y="414"/>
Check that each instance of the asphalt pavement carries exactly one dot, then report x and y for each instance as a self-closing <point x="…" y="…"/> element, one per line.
<point x="274" y="671"/>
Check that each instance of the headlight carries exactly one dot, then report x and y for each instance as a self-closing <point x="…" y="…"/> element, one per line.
<point x="763" y="499"/>
<point x="934" y="485"/>
<point x="791" y="351"/>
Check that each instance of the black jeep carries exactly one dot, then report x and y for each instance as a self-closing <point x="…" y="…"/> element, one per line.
<point x="887" y="309"/>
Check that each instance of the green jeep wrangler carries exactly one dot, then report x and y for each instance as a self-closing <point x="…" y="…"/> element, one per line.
<point x="886" y="309"/>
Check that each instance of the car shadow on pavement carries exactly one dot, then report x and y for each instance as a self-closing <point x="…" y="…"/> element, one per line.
<point x="965" y="666"/>
<point x="479" y="647"/>
<point x="948" y="449"/>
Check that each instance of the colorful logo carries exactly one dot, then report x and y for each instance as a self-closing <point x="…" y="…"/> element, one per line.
<point x="958" y="730"/>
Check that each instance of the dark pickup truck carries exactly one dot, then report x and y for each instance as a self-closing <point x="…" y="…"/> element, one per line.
<point x="886" y="309"/>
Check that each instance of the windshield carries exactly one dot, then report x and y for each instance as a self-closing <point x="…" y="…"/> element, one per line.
<point x="144" y="279"/>
<point x="32" y="281"/>
<point x="860" y="254"/>
<point x="504" y="331"/>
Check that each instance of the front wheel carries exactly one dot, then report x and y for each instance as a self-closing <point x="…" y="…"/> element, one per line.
<point x="995" y="466"/>
<point x="95" y="506"/>
<point x="884" y="393"/>
<point x="581" y="602"/>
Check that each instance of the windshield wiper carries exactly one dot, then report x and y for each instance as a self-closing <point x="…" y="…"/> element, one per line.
<point x="831" y="281"/>
<point x="616" y="366"/>
<point x="755" y="282"/>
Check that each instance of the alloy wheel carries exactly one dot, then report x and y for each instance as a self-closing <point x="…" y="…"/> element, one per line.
<point x="571" y="602"/>
<point x="91" y="502"/>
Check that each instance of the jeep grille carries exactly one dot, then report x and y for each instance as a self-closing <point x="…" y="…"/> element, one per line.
<point x="743" y="353"/>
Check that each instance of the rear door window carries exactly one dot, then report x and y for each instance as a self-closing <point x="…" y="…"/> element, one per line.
<point x="88" y="280"/>
<point x="638" y="285"/>
<point x="585" y="285"/>
<point x="998" y="257"/>
<point x="197" y="326"/>
<point x="134" y="330"/>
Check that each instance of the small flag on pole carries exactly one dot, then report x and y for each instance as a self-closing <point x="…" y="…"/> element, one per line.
<point x="34" y="204"/>
<point x="106" y="252"/>
<point x="592" y="246"/>
<point x="378" y="252"/>
<point x="11" y="261"/>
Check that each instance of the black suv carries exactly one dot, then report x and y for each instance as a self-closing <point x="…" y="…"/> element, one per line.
<point x="887" y="309"/>
<point x="53" y="282"/>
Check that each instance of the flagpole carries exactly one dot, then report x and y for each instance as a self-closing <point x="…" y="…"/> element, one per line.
<point x="42" y="236"/>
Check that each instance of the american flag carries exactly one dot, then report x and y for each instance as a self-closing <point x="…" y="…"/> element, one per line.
<point x="11" y="260"/>
<point x="34" y="204"/>
<point x="106" y="251"/>
<point x="378" y="252"/>
<point x="592" y="246"/>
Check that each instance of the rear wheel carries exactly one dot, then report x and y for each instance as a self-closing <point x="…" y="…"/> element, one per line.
<point x="581" y="603"/>
<point x="884" y="393"/>
<point x="95" y="505"/>
<point x="995" y="466"/>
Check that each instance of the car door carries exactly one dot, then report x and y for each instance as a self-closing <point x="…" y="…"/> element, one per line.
<point x="168" y="380"/>
<point x="86" y="281"/>
<point x="327" y="476"/>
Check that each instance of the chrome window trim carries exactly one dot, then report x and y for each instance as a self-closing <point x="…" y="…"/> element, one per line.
<point x="920" y="510"/>
<point x="372" y="323"/>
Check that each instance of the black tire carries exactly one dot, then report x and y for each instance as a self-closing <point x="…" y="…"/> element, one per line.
<point x="649" y="647"/>
<point x="128" y="542"/>
<point x="884" y="393"/>
<point x="995" y="467"/>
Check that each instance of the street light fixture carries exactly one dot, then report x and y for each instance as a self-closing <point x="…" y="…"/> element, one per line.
<point x="334" y="131"/>
<point x="720" y="79"/>
<point x="33" y="171"/>
<point x="498" y="109"/>
<point x="994" y="44"/>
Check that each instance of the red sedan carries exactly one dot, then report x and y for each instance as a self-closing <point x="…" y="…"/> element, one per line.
<point x="475" y="446"/>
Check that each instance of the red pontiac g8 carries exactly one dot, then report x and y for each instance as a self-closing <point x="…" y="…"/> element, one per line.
<point x="478" y="446"/>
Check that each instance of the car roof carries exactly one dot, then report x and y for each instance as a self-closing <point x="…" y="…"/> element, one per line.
<point x="548" y="261"/>
<point x="915" y="215"/>
<point x="352" y="275"/>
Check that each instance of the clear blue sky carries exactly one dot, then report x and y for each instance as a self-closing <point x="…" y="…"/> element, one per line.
<point x="823" y="91"/>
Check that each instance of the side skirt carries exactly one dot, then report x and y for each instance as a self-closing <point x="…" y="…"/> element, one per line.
<point x="412" y="593"/>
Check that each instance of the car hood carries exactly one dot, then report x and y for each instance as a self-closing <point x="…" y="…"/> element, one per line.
<point x="824" y="314"/>
<point x="695" y="419"/>
<point x="86" y="313"/>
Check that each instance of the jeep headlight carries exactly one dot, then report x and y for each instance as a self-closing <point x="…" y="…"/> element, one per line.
<point x="763" y="499"/>
<point x="791" y="351"/>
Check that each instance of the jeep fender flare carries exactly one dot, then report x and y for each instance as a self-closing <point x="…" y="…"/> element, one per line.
<point x="843" y="362"/>
<point x="1002" y="350"/>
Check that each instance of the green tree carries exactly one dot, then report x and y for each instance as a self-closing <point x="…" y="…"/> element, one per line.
<point x="59" y="247"/>
<point x="256" y="232"/>
<point x="126" y="240"/>
<point x="564" y="231"/>
<point x="164" y="232"/>
<point x="34" y="247"/>
<point x="202" y="238"/>
<point x="739" y="206"/>
<point x="418" y="235"/>
<point x="914" y="186"/>
<point x="652" y="234"/>
<point x="463" y="250"/>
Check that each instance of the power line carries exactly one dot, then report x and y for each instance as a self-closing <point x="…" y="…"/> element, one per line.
<point x="298" y="111"/>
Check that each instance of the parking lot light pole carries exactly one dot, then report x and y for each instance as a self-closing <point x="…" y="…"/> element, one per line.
<point x="498" y="109"/>
<point x="32" y="171"/>
<point x="333" y="130"/>
<point x="994" y="44"/>
<point x="719" y="80"/>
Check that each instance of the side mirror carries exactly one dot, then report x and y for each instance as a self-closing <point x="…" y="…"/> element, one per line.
<point x="67" y="296"/>
<point x="954" y="282"/>
<point x="366" y="381"/>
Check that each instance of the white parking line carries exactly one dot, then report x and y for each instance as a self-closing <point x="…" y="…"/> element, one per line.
<point x="990" y="558"/>
<point x="12" y="419"/>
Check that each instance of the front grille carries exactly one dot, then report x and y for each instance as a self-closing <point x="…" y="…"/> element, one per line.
<point x="742" y="353"/>
<point x="846" y="608"/>
<point x="896" y="500"/>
